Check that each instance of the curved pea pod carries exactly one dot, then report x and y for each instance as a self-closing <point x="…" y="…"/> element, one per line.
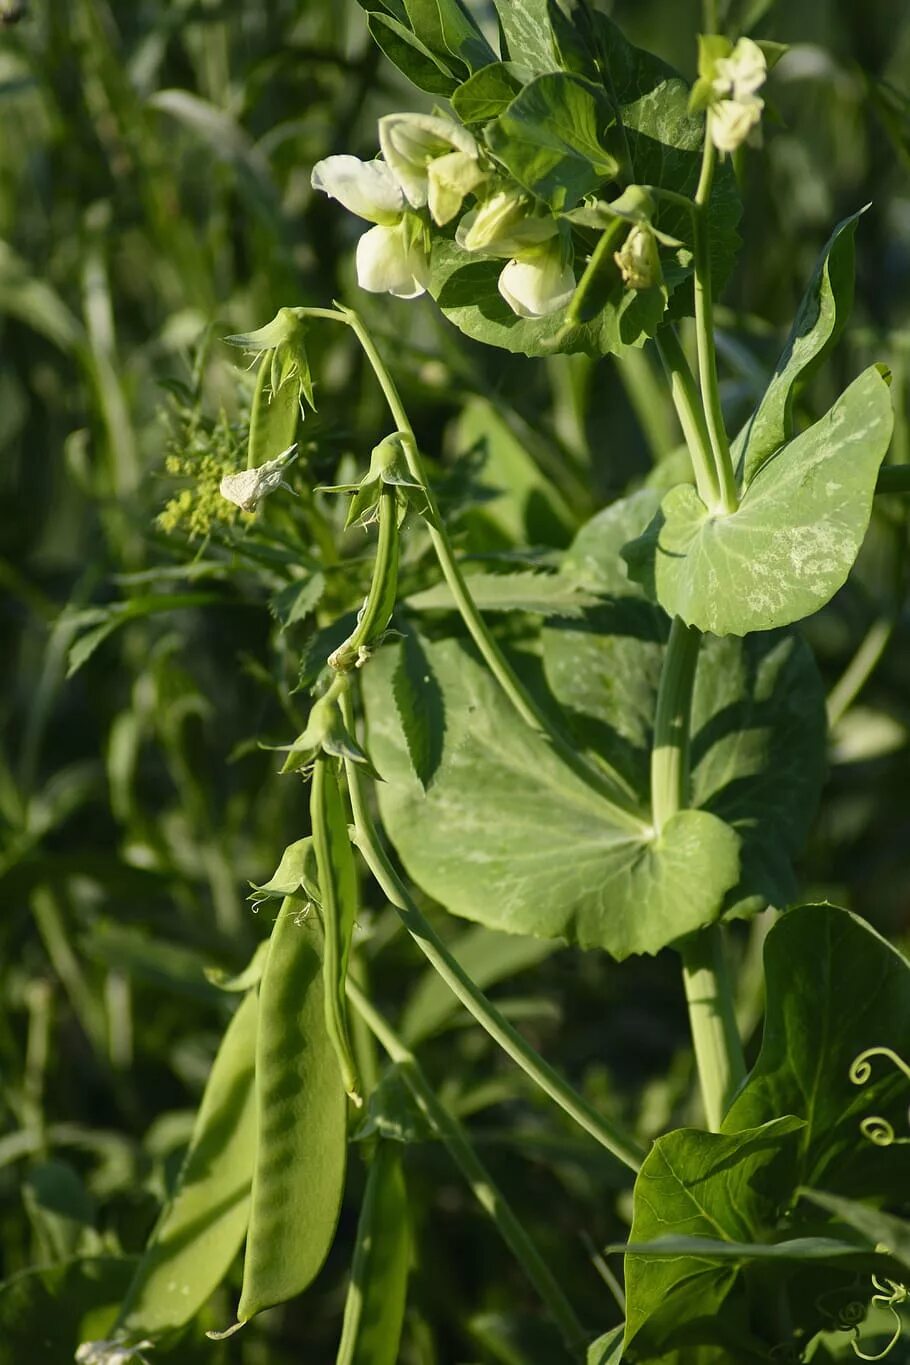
<point x="201" y="1230"/>
<point x="337" y="873"/>
<point x="302" y="1113"/>
<point x="374" y="1311"/>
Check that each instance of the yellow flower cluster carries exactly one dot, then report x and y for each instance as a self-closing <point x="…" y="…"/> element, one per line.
<point x="201" y="453"/>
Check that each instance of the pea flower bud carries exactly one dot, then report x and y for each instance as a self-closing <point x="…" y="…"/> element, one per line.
<point x="729" y="77"/>
<point x="502" y="226"/>
<point x="541" y="280"/>
<point x="639" y="260"/>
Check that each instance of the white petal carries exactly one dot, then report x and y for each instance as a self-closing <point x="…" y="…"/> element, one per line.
<point x="731" y="121"/>
<point x="366" y="188"/>
<point x="410" y="142"/>
<point x="542" y="283"/>
<point x="387" y="264"/>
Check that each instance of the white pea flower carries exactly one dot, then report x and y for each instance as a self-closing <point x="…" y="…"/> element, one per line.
<point x="391" y="257"/>
<point x="731" y="121"/>
<point x="540" y="281"/>
<point x="502" y="226"/>
<point x="433" y="159"/>
<point x="742" y="73"/>
<point x="247" y="489"/>
<point x="736" y="108"/>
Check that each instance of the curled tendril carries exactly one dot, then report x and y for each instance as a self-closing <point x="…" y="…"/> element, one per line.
<point x="874" y="1127"/>
<point x="889" y="1295"/>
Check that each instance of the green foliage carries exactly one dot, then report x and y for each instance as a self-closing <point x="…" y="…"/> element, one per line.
<point x="561" y="762"/>
<point x="595" y="879"/>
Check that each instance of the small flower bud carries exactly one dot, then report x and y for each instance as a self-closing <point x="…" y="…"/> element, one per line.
<point x="639" y="259"/>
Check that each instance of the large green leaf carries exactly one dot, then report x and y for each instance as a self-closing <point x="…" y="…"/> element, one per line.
<point x="820" y="319"/>
<point x="794" y="537"/>
<point x="508" y="835"/>
<point x="550" y="138"/>
<point x="203" y="1227"/>
<point x="526" y="28"/>
<point x="696" y="1184"/>
<point x="834" y="988"/>
<point x="758" y="712"/>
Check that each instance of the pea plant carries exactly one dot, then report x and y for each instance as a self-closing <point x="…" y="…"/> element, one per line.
<point x="638" y="773"/>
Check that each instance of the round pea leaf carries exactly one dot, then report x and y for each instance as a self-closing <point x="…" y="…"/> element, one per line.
<point x="508" y="836"/>
<point x="793" y="539"/>
<point x="758" y="709"/>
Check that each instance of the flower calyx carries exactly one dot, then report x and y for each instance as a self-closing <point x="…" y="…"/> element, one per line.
<point x="282" y="342"/>
<point x="388" y="470"/>
<point x="324" y="732"/>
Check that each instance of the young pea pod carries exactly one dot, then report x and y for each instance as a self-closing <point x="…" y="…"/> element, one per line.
<point x="301" y="1114"/>
<point x="274" y="415"/>
<point x="374" y="1311"/>
<point x="337" y="875"/>
<point x="202" y="1228"/>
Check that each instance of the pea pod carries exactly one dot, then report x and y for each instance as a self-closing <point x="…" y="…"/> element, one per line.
<point x="274" y="415"/>
<point x="202" y="1228"/>
<point x="338" y="891"/>
<point x="374" y="1310"/>
<point x="301" y="1111"/>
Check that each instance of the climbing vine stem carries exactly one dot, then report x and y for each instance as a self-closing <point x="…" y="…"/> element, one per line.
<point x="610" y="785"/>
<point x="377" y="859"/>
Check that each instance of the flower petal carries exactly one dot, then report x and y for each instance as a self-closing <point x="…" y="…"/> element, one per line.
<point x="388" y="263"/>
<point x="502" y="226"/>
<point x="731" y="121"/>
<point x="542" y="282"/>
<point x="410" y="142"/>
<point x="366" y="188"/>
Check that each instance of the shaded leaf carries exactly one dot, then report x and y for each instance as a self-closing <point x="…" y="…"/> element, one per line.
<point x="540" y="594"/>
<point x="419" y="702"/>
<point x="537" y="851"/>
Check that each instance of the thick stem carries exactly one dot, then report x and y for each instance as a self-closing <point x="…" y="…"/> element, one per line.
<point x="712" y="1019"/>
<point x="715" y="1039"/>
<point x="456" y="1140"/>
<point x="704" y="332"/>
<point x="610" y="785"/>
<point x="691" y="414"/>
<point x="670" y="754"/>
<point x="487" y="1015"/>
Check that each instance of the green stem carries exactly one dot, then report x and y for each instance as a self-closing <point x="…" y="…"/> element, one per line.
<point x="709" y="994"/>
<point x="691" y="413"/>
<point x="858" y="671"/>
<point x="614" y="790"/>
<point x="487" y="1015"/>
<point x="712" y="1020"/>
<point x="704" y="331"/>
<point x="459" y="1147"/>
<point x="670" y="754"/>
<point x="603" y="251"/>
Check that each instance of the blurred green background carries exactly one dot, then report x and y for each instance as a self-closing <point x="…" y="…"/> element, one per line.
<point x="155" y="197"/>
